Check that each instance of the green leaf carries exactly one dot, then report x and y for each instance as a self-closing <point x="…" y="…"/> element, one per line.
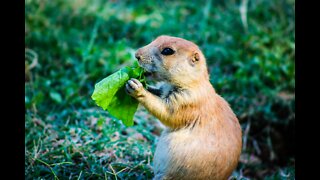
<point x="108" y="87"/>
<point x="110" y="94"/>
<point x="123" y="107"/>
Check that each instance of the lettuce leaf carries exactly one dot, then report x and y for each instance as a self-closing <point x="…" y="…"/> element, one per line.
<point x="110" y="94"/>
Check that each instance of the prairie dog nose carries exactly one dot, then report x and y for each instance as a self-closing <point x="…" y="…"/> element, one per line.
<point x="138" y="54"/>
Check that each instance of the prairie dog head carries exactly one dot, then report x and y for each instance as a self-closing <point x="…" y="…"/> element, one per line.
<point x="175" y="60"/>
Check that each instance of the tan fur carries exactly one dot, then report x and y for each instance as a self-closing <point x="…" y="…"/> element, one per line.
<point x="203" y="135"/>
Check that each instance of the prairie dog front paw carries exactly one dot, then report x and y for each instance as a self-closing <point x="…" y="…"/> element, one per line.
<point x="134" y="88"/>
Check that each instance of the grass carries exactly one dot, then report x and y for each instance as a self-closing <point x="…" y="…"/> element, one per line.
<point x="71" y="45"/>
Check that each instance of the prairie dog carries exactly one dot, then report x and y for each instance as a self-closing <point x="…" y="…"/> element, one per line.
<point x="203" y="138"/>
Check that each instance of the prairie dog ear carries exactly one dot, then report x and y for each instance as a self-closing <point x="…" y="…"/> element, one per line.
<point x="195" y="57"/>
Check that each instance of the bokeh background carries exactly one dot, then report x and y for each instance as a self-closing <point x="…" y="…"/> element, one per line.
<point x="72" y="44"/>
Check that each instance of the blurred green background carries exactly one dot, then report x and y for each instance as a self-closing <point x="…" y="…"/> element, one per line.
<point x="72" y="44"/>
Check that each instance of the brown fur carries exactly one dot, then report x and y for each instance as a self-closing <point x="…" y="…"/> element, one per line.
<point x="203" y="138"/>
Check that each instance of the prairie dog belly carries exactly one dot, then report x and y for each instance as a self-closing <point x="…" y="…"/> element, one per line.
<point x="183" y="154"/>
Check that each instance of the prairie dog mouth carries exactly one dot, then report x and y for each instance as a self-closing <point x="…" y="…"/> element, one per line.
<point x="147" y="73"/>
<point x="151" y="75"/>
<point x="148" y="69"/>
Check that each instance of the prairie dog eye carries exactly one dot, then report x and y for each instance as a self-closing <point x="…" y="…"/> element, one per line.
<point x="167" y="51"/>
